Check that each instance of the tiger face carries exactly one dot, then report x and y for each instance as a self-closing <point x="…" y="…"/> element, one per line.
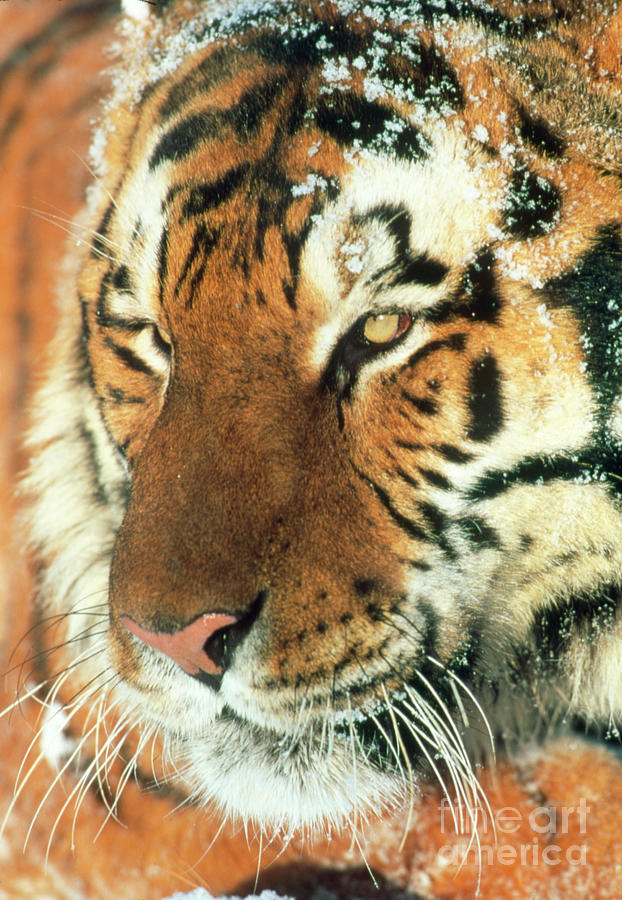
<point x="334" y="426"/>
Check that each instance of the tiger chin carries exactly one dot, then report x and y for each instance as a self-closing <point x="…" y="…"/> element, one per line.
<point x="326" y="469"/>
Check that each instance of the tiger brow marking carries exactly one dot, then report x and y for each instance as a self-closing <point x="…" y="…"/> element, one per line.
<point x="436" y="478"/>
<point x="210" y="72"/>
<point x="209" y="195"/>
<point x="405" y="268"/>
<point x="181" y="140"/>
<point x="352" y="118"/>
<point x="480" y="533"/>
<point x="406" y="476"/>
<point x="245" y="117"/>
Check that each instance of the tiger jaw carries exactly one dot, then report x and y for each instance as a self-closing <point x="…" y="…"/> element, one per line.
<point x="291" y="765"/>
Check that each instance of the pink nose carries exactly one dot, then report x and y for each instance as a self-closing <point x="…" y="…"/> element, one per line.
<point x="188" y="645"/>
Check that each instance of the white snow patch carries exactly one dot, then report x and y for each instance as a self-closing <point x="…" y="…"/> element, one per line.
<point x="312" y="183"/>
<point x="137" y="9"/>
<point x="480" y="133"/>
<point x="56" y="746"/>
<point x="354" y="253"/>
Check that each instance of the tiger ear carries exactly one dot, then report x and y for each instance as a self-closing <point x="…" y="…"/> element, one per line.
<point x="138" y="9"/>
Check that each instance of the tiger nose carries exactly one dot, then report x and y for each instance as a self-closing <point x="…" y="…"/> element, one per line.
<point x="200" y="648"/>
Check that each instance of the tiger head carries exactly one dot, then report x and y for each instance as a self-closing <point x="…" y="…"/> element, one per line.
<point x="333" y="431"/>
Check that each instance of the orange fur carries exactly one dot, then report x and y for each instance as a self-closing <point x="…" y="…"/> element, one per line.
<point x="49" y="94"/>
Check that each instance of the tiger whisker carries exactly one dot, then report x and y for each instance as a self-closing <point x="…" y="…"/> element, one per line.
<point x="411" y="779"/>
<point x="472" y="697"/>
<point x="56" y="780"/>
<point x="72" y="231"/>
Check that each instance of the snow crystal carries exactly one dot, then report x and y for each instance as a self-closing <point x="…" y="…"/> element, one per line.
<point x="480" y="133"/>
<point x="374" y="88"/>
<point x="335" y="72"/>
<point x="354" y="251"/>
<point x="544" y="315"/>
<point x="313" y="182"/>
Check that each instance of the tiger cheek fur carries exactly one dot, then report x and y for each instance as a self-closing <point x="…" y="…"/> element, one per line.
<point x="348" y="386"/>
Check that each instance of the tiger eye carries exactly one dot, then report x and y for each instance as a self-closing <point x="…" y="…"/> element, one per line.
<point x="383" y="328"/>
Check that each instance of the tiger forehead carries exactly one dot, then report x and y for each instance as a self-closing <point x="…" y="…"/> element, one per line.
<point x="266" y="150"/>
<point x="239" y="152"/>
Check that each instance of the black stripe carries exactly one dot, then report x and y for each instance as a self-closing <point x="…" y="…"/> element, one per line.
<point x="307" y="46"/>
<point x="204" y="241"/>
<point x="593" y="291"/>
<point x="132" y="326"/>
<point x="431" y="78"/>
<point x="453" y="454"/>
<point x="411" y="528"/>
<point x="121" y="280"/>
<point x="422" y="404"/>
<point x="210" y="72"/>
<point x="492" y="20"/>
<point x="117" y="395"/>
<point x="479" y="533"/>
<point x="409" y="445"/>
<point x="208" y="196"/>
<point x="455" y="342"/>
<point x="598" y="465"/>
<point x="351" y="119"/>
<point x="537" y="133"/>
<point x="405" y="268"/>
<point x="181" y="140"/>
<point x="419" y="270"/>
<point x="247" y="115"/>
<point x="532" y="206"/>
<point x="87" y="439"/>
<point x="85" y="368"/>
<point x="406" y="476"/>
<point x="129" y="358"/>
<point x="99" y="247"/>
<point x="162" y="263"/>
<point x="101" y="309"/>
<point x="587" y="617"/>
<point x="477" y="298"/>
<point x="485" y="401"/>
<point x="436" y="479"/>
<point x="297" y="113"/>
<point x="421" y="71"/>
<point x="480" y="296"/>
<point x="84" y="315"/>
<point x="438" y="524"/>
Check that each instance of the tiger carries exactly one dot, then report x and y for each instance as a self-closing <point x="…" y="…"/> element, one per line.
<point x="324" y="472"/>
